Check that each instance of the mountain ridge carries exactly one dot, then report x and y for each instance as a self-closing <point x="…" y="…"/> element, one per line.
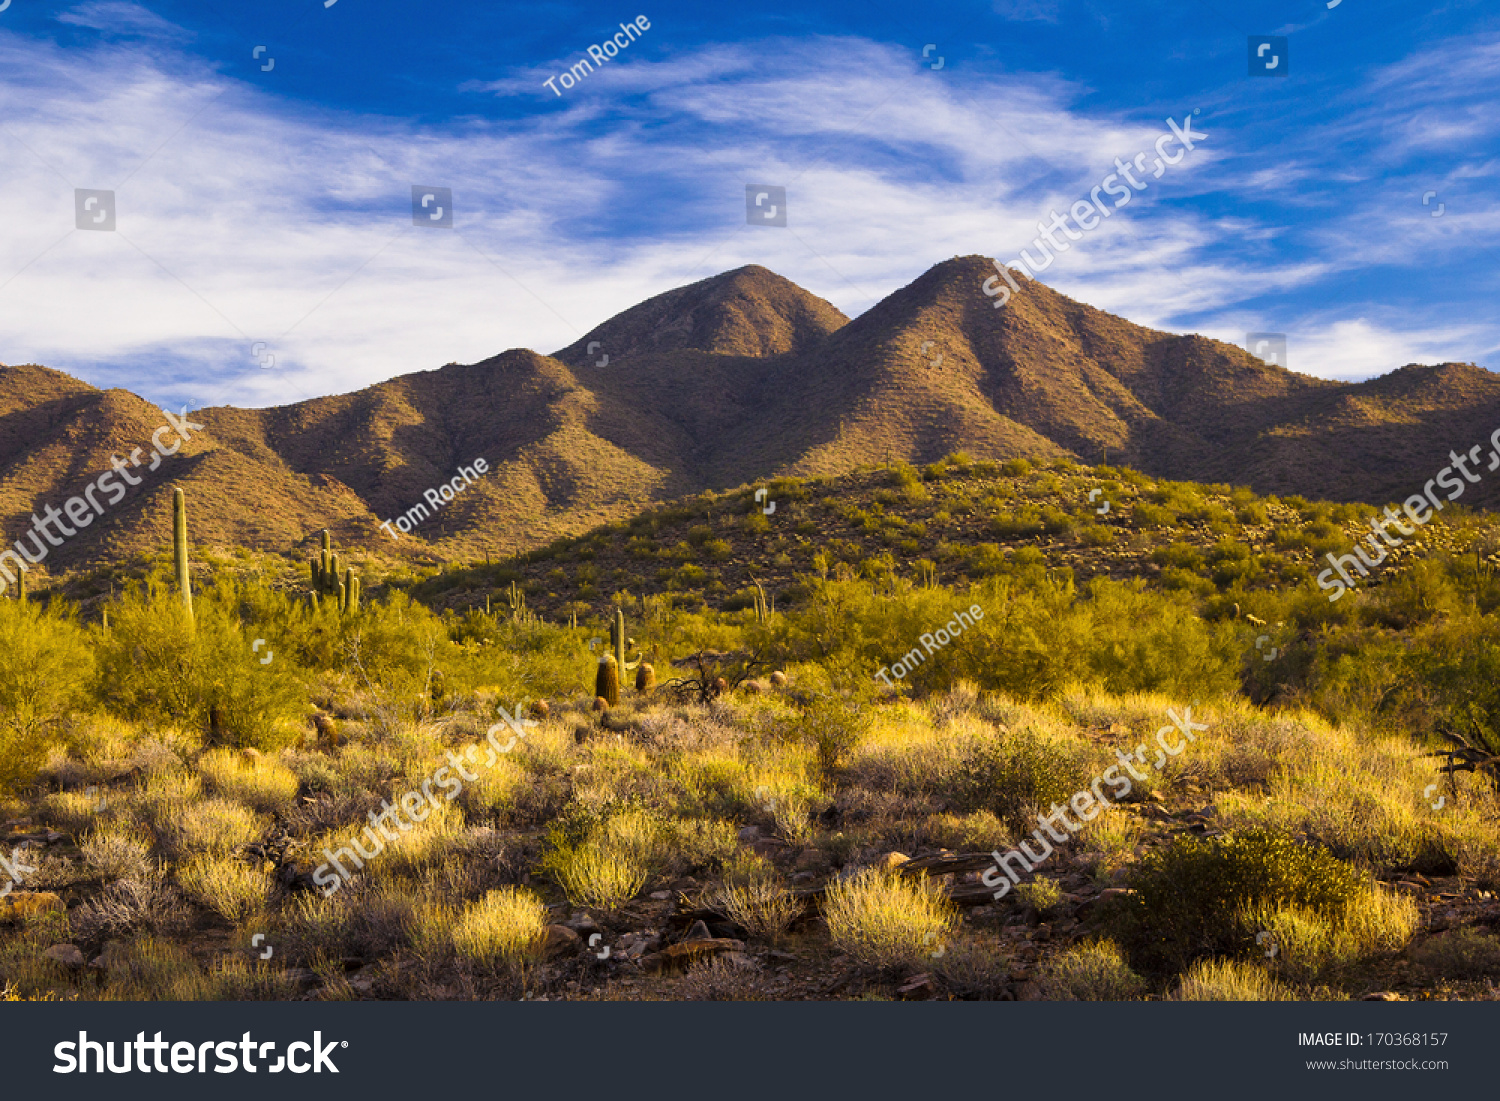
<point x="736" y="378"/>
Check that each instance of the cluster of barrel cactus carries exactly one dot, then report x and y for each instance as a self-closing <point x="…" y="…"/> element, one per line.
<point x="612" y="665"/>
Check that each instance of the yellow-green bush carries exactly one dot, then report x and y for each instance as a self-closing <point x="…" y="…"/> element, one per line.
<point x="45" y="667"/>
<point x="1094" y="971"/>
<point x="231" y="888"/>
<point x="1220" y="980"/>
<point x="1185" y="895"/>
<point x="886" y="920"/>
<point x="505" y="927"/>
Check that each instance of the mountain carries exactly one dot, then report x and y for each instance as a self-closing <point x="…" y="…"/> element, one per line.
<point x="731" y="380"/>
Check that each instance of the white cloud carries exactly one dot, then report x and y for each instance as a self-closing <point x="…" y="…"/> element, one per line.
<point x="244" y="219"/>
<point x="118" y="17"/>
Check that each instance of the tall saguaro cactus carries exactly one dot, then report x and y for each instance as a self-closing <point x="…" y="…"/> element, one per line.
<point x="180" y="552"/>
<point x="617" y="643"/>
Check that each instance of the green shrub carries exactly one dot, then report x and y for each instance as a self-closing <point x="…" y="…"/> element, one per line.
<point x="1185" y="896"/>
<point x="153" y="665"/>
<point x="45" y="668"/>
<point x="1015" y="774"/>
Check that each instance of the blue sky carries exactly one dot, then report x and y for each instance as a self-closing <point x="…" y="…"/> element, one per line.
<point x="265" y="251"/>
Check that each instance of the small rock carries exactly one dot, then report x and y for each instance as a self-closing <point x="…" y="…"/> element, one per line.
<point x="582" y="923"/>
<point x="560" y="941"/>
<point x="749" y="834"/>
<point x="891" y="861"/>
<point x="1382" y="996"/>
<point x="698" y="931"/>
<point x="69" y="955"/>
<point x="802" y="879"/>
<point x="778" y="679"/>
<point x="661" y="896"/>
<point x="918" y="988"/>
<point x="680" y="956"/>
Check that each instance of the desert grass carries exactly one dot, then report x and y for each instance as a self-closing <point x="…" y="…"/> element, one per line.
<point x="755" y="899"/>
<point x="506" y="927"/>
<point x="231" y="888"/>
<point x="1224" y="980"/>
<point x="1310" y="946"/>
<point x="1095" y="971"/>
<point x="594" y="874"/>
<point x="262" y="783"/>
<point x="887" y="921"/>
<point x="116" y="851"/>
<point x="211" y="826"/>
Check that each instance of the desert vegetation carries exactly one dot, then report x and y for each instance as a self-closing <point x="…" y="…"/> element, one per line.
<point x="681" y="779"/>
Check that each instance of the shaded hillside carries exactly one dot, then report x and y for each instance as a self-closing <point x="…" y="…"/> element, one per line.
<point x="952" y="522"/>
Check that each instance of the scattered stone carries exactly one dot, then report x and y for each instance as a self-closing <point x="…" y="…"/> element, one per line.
<point x="69" y="955"/>
<point x="582" y="923"/>
<point x="1383" y="996"/>
<point x="802" y="879"/>
<point x="749" y="834"/>
<point x="891" y="861"/>
<point x="661" y="896"/>
<point x="634" y="946"/>
<point x="697" y="931"/>
<point x="778" y="679"/>
<point x="679" y="957"/>
<point x="540" y="709"/>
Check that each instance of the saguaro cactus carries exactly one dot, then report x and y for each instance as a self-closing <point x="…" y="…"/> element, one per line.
<point x="762" y="612"/>
<point x="617" y="642"/>
<point x="351" y="588"/>
<point x="179" y="551"/>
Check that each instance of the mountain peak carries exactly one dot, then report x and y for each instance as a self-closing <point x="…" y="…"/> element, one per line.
<point x="750" y="311"/>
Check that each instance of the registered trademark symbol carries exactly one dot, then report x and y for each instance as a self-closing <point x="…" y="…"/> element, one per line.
<point x="345" y="1043"/>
